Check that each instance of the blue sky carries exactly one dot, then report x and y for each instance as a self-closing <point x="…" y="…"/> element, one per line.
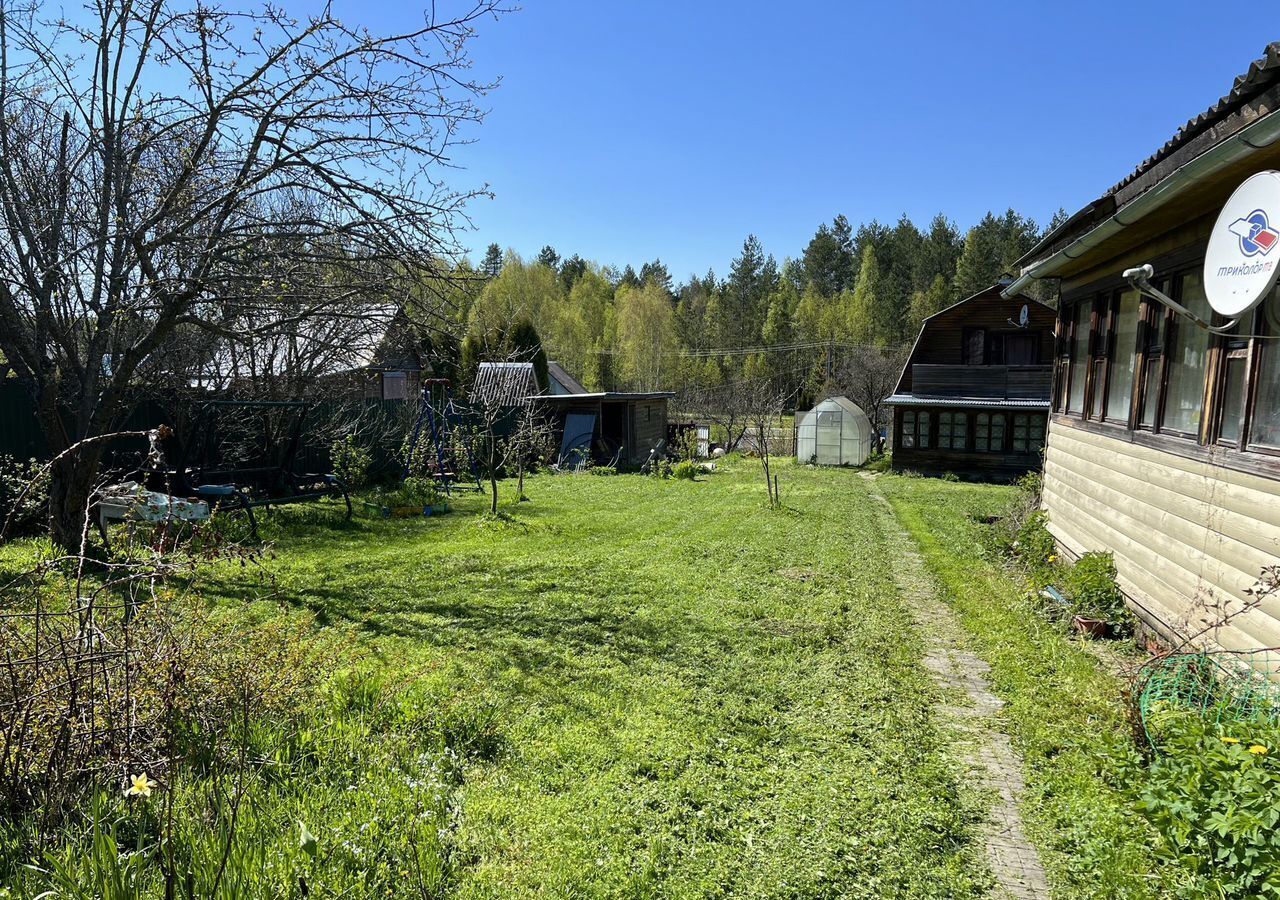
<point x="625" y="131"/>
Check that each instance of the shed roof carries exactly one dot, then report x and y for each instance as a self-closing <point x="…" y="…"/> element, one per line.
<point x="607" y="395"/>
<point x="504" y="383"/>
<point x="570" y="384"/>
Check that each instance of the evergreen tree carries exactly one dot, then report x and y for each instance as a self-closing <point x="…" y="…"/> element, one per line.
<point x="571" y="270"/>
<point x="548" y="257"/>
<point x="524" y="344"/>
<point x="472" y="354"/>
<point x="492" y="265"/>
<point x="656" y="273"/>
<point x="866" y="315"/>
<point x="629" y="277"/>
<point x="926" y="303"/>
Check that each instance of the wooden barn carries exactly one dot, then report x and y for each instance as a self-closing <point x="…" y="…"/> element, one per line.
<point x="608" y="427"/>
<point x="974" y="394"/>
<point x="1164" y="438"/>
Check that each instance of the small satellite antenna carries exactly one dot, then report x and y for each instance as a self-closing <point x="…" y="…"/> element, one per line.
<point x="1024" y="318"/>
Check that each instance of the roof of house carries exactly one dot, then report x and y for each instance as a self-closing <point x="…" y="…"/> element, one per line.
<point x="965" y="402"/>
<point x="558" y="375"/>
<point x="504" y="383"/>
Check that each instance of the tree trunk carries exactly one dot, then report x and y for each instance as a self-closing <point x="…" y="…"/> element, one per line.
<point x="71" y="484"/>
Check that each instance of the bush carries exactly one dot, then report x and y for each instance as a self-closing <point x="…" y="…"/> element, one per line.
<point x="27" y="510"/>
<point x="603" y="470"/>
<point x="686" y="470"/>
<point x="351" y="461"/>
<point x="1212" y="795"/>
<point x="1091" y="586"/>
<point x="413" y="491"/>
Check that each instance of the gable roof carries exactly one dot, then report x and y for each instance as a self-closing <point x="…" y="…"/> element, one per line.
<point x="504" y="383"/>
<point x="559" y="376"/>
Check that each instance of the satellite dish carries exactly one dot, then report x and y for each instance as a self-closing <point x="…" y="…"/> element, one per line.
<point x="1024" y="318"/>
<point x="1242" y="262"/>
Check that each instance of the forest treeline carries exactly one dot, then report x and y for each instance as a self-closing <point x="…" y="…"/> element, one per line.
<point x="639" y="329"/>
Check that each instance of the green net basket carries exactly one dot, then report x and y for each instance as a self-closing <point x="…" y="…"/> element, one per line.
<point x="1220" y="686"/>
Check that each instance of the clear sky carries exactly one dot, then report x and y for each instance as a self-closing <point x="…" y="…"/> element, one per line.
<point x="625" y="131"/>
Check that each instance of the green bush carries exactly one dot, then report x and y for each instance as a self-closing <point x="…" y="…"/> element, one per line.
<point x="603" y="470"/>
<point x="686" y="470"/>
<point x="1091" y="586"/>
<point x="1212" y="795"/>
<point x="351" y="461"/>
<point x="24" y="494"/>
<point x="413" y="491"/>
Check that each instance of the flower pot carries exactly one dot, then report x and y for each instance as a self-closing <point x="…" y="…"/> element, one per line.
<point x="1089" y="627"/>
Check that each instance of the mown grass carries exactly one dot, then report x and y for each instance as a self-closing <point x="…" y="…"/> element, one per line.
<point x="631" y="687"/>
<point x="1065" y="709"/>
<point x="695" y="695"/>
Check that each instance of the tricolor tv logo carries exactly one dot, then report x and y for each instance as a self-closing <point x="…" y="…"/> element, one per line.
<point x="1256" y="235"/>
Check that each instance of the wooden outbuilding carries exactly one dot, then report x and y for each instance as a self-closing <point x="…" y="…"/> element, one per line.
<point x="974" y="394"/>
<point x="1164" y="439"/>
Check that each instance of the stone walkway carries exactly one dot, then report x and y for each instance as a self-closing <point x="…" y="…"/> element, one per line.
<point x="972" y="716"/>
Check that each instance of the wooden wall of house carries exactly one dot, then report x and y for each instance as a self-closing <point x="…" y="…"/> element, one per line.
<point x="649" y="426"/>
<point x="971" y="464"/>
<point x="1188" y="536"/>
<point x="942" y="337"/>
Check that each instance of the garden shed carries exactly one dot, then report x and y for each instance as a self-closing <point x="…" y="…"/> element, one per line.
<point x="836" y="432"/>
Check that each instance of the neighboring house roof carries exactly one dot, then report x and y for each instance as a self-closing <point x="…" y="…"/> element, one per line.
<point x="608" y="395"/>
<point x="965" y="402"/>
<point x="505" y="383"/>
<point x="562" y="382"/>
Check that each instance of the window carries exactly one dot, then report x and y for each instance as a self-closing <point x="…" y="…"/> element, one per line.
<point x="1149" y="331"/>
<point x="975" y="347"/>
<point x="1079" y="356"/>
<point x="1124" y="348"/>
<point x="1028" y="433"/>
<point x="988" y="432"/>
<point x="1235" y="364"/>
<point x="915" y="429"/>
<point x="1184" y="393"/>
<point x="953" y="430"/>
<point x="395" y="386"/>
<point x="1266" y="413"/>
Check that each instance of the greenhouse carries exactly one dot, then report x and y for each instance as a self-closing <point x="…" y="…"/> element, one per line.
<point x="836" y="432"/>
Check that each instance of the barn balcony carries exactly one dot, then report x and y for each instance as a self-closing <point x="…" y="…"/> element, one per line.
<point x="988" y="382"/>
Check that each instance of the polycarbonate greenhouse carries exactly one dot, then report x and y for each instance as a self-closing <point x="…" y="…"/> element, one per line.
<point x="836" y="432"/>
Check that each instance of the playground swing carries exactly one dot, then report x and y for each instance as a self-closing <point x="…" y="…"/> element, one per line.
<point x="264" y="476"/>
<point x="441" y="418"/>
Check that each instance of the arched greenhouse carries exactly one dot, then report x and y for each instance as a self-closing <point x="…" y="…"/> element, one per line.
<point x="836" y="432"/>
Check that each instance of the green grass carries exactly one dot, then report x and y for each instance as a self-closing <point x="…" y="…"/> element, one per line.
<point x="1064" y="711"/>
<point x="631" y="687"/>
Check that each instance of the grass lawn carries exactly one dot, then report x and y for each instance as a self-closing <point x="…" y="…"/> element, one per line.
<point x="644" y="688"/>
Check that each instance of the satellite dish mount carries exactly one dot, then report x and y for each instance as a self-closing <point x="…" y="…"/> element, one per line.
<point x="1240" y="269"/>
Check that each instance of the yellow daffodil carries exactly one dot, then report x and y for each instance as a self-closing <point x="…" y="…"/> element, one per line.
<point x="141" y="786"/>
<point x="1257" y="750"/>
<point x="1227" y="740"/>
<point x="1053" y="557"/>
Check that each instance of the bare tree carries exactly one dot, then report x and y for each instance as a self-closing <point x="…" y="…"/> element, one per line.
<point x="868" y="376"/>
<point x="764" y="401"/>
<point x="178" y="181"/>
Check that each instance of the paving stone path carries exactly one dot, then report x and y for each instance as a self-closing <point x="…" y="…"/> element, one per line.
<point x="971" y="714"/>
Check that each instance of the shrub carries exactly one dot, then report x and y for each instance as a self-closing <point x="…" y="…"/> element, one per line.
<point x="26" y="510"/>
<point x="686" y="470"/>
<point x="603" y="470"/>
<point x="413" y="491"/>
<point x="351" y="461"/>
<point x="1091" y="585"/>
<point x="1212" y="795"/>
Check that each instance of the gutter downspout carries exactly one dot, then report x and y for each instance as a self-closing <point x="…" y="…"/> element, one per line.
<point x="1254" y="137"/>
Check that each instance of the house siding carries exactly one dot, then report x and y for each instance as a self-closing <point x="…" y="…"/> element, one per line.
<point x="1188" y="537"/>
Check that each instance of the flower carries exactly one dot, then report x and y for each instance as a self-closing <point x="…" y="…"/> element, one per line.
<point x="1257" y="749"/>
<point x="140" y="786"/>
<point x="1230" y="740"/>
<point x="1053" y="557"/>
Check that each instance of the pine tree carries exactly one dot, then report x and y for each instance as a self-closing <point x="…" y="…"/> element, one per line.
<point x="548" y="257"/>
<point x="492" y="265"/>
<point x="524" y="344"/>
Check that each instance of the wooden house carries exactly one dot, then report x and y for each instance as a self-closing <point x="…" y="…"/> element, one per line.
<point x="974" y="394"/>
<point x="1164" y="439"/>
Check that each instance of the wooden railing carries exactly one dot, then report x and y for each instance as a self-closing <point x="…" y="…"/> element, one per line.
<point x="988" y="382"/>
